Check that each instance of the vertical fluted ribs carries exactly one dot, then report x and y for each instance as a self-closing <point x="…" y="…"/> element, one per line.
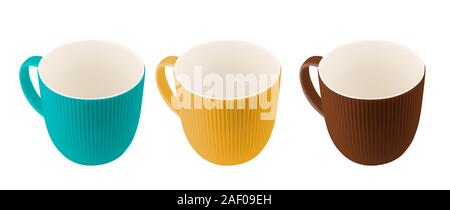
<point x="372" y="132"/>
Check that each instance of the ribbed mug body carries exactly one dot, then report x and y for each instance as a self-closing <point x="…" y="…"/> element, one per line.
<point x="92" y="131"/>
<point x="372" y="132"/>
<point x="228" y="136"/>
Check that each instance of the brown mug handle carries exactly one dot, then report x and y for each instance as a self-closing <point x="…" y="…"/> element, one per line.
<point x="307" y="86"/>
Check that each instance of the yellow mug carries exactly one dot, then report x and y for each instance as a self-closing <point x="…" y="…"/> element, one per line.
<point x="226" y="96"/>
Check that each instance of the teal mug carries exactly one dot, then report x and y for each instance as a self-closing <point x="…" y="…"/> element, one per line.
<point x="90" y="98"/>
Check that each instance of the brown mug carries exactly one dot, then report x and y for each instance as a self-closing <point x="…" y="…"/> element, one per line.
<point x="371" y="98"/>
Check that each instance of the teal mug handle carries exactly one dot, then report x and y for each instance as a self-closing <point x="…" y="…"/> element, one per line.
<point x="26" y="84"/>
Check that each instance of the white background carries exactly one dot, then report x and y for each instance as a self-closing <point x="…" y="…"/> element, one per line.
<point x="300" y="153"/>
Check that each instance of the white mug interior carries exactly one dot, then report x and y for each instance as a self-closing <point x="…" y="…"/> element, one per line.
<point x="227" y="69"/>
<point x="91" y="69"/>
<point x="371" y="70"/>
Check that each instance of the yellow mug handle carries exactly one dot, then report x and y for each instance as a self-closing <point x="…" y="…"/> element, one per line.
<point x="163" y="85"/>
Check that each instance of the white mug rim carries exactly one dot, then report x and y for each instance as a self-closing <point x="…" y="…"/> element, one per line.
<point x="326" y="63"/>
<point x="237" y="42"/>
<point x="80" y="42"/>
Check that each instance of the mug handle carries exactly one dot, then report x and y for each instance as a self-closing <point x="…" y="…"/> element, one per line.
<point x="161" y="81"/>
<point x="27" y="86"/>
<point x="307" y="86"/>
